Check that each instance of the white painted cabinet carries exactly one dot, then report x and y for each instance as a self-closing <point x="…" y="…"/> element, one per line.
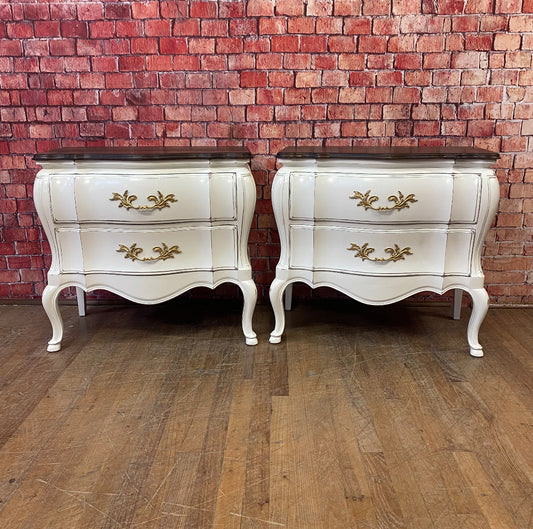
<point x="381" y="224"/>
<point x="146" y="223"/>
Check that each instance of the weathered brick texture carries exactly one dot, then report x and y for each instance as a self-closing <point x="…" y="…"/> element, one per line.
<point x="267" y="74"/>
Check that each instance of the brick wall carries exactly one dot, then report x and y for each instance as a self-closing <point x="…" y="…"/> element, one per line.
<point x="267" y="74"/>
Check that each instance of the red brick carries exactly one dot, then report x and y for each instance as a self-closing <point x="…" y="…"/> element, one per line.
<point x="389" y="78"/>
<point x="47" y="28"/>
<point x="341" y="44"/>
<point x="131" y="64"/>
<point x="405" y="7"/>
<point x="90" y="11"/>
<point x="36" y="12"/>
<point x="118" y="80"/>
<point x="281" y="79"/>
<point x="358" y="26"/>
<point x="406" y="95"/>
<point x="269" y="61"/>
<point x="408" y="61"/>
<point x="286" y="43"/>
<point x="506" y="41"/>
<point x="347" y="7"/>
<point x="241" y="62"/>
<point x="273" y="26"/>
<point x="253" y="79"/>
<point x="518" y="59"/>
<point x="479" y="42"/>
<point x="307" y="79"/>
<point x="329" y="26"/>
<point x="101" y="30"/>
<point x="10" y="47"/>
<point x="430" y="43"/>
<point x="402" y="44"/>
<point x="362" y="79"/>
<point x="376" y="7"/>
<point x="231" y="9"/>
<point x="481" y="128"/>
<point x="145" y="9"/>
<point x="507" y="6"/>
<point x="243" y="26"/>
<point x="104" y="64"/>
<point x="378" y="95"/>
<point x="117" y="10"/>
<point x="255" y="8"/>
<point x="372" y="44"/>
<point x="297" y="96"/>
<point x="19" y="30"/>
<point x="290" y="7"/>
<point x="203" y="9"/>
<point x="253" y="44"/>
<point x="313" y="44"/>
<point x="422" y="24"/>
<point x="173" y="45"/>
<point x="433" y="95"/>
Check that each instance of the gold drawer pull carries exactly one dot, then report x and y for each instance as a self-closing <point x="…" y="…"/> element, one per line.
<point x="160" y="202"/>
<point x="367" y="201"/>
<point x="395" y="253"/>
<point x="164" y="252"/>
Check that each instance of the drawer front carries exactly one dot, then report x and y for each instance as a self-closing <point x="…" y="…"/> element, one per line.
<point x="153" y="251"/>
<point x="382" y="198"/>
<point x="381" y="252"/>
<point x="108" y="198"/>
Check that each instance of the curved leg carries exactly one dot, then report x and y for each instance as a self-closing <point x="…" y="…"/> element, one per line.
<point x="480" y="306"/>
<point x="276" y="299"/>
<point x="249" y="291"/>
<point x="50" y="304"/>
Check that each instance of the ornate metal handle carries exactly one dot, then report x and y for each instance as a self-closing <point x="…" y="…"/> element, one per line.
<point x="160" y="202"/>
<point x="395" y="253"/>
<point x="367" y="201"/>
<point x="164" y="252"/>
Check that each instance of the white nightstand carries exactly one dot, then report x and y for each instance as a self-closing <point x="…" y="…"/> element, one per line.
<point x="146" y="223"/>
<point x="381" y="224"/>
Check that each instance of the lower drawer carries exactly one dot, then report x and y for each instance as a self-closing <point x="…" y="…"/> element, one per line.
<point x="386" y="252"/>
<point x="153" y="251"/>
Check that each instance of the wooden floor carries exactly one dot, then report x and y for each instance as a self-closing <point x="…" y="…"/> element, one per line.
<point x="363" y="417"/>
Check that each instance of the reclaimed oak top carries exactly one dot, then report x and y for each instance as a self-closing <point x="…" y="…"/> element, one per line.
<point x="387" y="153"/>
<point x="144" y="153"/>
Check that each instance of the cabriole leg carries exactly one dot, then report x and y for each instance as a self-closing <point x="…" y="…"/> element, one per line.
<point x="480" y="306"/>
<point x="276" y="299"/>
<point x="51" y="307"/>
<point x="249" y="291"/>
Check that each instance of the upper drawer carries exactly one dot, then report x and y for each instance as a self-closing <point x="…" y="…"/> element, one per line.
<point x="146" y="199"/>
<point x="420" y="198"/>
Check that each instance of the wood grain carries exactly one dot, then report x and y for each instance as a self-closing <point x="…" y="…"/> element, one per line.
<point x="363" y="418"/>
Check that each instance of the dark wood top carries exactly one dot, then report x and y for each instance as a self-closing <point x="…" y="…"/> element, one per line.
<point x="144" y="153"/>
<point x="387" y="153"/>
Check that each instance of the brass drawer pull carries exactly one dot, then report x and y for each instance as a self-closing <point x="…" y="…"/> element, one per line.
<point x="160" y="202"/>
<point x="367" y="201"/>
<point x="164" y="252"/>
<point x="395" y="253"/>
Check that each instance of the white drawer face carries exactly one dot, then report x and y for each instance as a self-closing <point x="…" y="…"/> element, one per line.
<point x="381" y="252"/>
<point x="145" y="252"/>
<point x="382" y="198"/>
<point x="146" y="199"/>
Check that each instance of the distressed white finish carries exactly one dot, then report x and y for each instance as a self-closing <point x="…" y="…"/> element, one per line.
<point x="209" y="222"/>
<point x="456" y="200"/>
